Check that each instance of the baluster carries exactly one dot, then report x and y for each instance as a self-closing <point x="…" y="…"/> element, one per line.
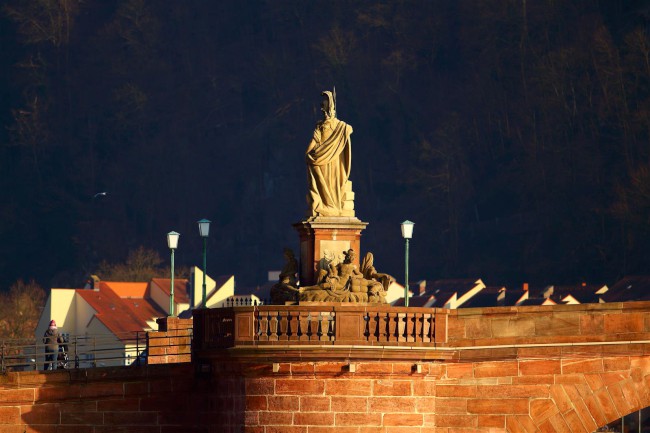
<point x="374" y="327"/>
<point x="331" y="318"/>
<point x="319" y="326"/>
<point x="326" y="326"/>
<point x="292" y="325"/>
<point x="417" y="327"/>
<point x="283" y="326"/>
<point x="366" y="331"/>
<point x="273" y="326"/>
<point x="383" y="331"/>
<point x="256" y="324"/>
<point x="304" y="326"/>
<point x="432" y="328"/>
<point x="310" y="331"/>
<point x="426" y="328"/>
<point x="392" y="327"/>
<point x="401" y="326"/>
<point x="316" y="330"/>
<point x="411" y="326"/>
<point x="264" y="326"/>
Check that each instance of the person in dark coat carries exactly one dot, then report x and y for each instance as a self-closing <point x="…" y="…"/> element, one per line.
<point x="51" y="339"/>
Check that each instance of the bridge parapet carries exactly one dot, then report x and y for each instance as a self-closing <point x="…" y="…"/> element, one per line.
<point x="445" y="332"/>
<point x="550" y="325"/>
<point x="320" y="324"/>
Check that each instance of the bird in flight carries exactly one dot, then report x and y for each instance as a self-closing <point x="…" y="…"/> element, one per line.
<point x="100" y="194"/>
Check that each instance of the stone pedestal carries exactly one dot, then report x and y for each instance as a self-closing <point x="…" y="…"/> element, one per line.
<point x="336" y="234"/>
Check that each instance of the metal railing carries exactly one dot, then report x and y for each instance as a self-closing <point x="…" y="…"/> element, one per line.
<point x="85" y="351"/>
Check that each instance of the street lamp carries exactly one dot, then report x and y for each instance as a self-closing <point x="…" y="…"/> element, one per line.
<point x="172" y="243"/>
<point x="407" y="233"/>
<point x="204" y="230"/>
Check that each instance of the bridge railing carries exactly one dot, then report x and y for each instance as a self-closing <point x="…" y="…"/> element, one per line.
<point x="319" y="324"/>
<point x="89" y="351"/>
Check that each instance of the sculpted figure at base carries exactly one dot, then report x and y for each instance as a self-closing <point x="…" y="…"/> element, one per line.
<point x="324" y="266"/>
<point x="345" y="283"/>
<point x="369" y="272"/>
<point x="329" y="159"/>
<point x="285" y="290"/>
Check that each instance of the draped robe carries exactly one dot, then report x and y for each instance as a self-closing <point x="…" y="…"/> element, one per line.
<point x="328" y="167"/>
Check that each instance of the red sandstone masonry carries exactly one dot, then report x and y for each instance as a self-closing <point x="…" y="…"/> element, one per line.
<point x="172" y="343"/>
<point x="520" y="390"/>
<point x="328" y="405"/>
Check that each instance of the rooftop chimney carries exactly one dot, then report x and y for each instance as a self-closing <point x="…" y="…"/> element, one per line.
<point x="92" y="283"/>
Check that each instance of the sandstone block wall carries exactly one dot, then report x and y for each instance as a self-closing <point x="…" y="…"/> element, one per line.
<point x="172" y="343"/>
<point x="593" y="368"/>
<point x="519" y="396"/>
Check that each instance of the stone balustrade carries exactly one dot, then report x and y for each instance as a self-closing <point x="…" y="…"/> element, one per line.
<point x="433" y="329"/>
<point x="319" y="324"/>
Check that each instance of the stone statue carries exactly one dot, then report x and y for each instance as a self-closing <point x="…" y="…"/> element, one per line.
<point x="285" y="289"/>
<point x="324" y="266"/>
<point x="345" y="283"/>
<point x="369" y="272"/>
<point x="329" y="159"/>
<point x="290" y="268"/>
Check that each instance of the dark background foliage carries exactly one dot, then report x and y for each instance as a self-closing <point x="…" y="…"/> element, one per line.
<point x="515" y="134"/>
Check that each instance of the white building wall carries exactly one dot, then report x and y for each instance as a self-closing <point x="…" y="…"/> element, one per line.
<point x="59" y="306"/>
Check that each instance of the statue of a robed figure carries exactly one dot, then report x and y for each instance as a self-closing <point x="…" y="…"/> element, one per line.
<point x="329" y="268"/>
<point x="329" y="159"/>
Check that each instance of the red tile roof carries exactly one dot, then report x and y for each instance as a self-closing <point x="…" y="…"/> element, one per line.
<point x="126" y="290"/>
<point x="121" y="315"/>
<point x="181" y="288"/>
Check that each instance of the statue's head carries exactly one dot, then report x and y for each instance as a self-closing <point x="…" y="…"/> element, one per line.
<point x="349" y="255"/>
<point x="328" y="105"/>
<point x="288" y="253"/>
<point x="328" y="255"/>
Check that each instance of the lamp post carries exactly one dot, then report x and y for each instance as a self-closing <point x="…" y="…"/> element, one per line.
<point x="407" y="233"/>
<point x="204" y="231"/>
<point x="172" y="243"/>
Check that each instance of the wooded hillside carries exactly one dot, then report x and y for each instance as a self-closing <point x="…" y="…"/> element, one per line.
<point x="515" y="134"/>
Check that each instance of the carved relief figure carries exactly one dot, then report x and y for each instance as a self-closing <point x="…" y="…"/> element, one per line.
<point x="344" y="283"/>
<point x="288" y="274"/>
<point x="324" y="265"/>
<point x="329" y="159"/>
<point x="285" y="289"/>
<point x="369" y="272"/>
